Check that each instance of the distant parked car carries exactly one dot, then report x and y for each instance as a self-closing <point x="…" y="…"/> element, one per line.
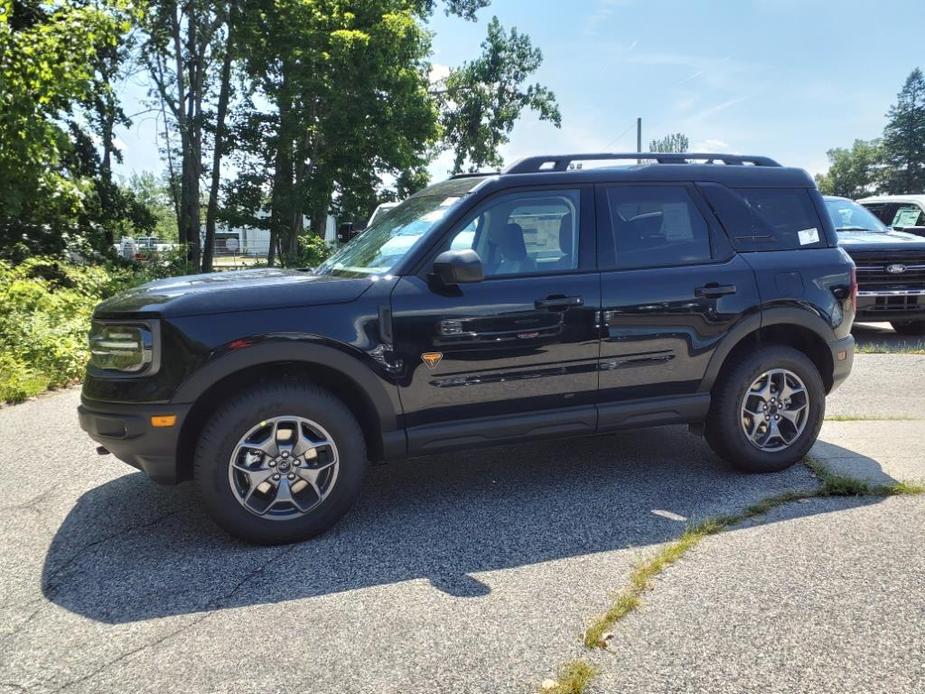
<point x="901" y="212"/>
<point x="890" y="267"/>
<point x="142" y="248"/>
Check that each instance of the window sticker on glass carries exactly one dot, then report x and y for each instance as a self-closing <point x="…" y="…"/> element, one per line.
<point x="808" y="236"/>
<point x="906" y="216"/>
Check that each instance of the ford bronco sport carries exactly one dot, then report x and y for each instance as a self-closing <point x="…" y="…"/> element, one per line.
<point x="548" y="300"/>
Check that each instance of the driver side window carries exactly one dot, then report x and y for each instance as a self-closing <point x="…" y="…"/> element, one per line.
<point x="525" y="233"/>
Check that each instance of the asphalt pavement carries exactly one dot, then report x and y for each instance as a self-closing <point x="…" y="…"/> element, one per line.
<point x="471" y="572"/>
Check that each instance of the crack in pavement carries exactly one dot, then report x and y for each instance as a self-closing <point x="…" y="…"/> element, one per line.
<point x="48" y="587"/>
<point x="209" y="608"/>
<point x="28" y="505"/>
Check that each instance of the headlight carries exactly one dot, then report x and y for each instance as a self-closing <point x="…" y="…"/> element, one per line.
<point x="129" y="348"/>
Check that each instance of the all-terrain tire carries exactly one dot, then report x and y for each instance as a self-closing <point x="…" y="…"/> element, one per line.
<point x="225" y="428"/>
<point x="724" y="428"/>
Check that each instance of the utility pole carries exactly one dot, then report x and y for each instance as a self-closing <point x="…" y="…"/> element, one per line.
<point x="639" y="137"/>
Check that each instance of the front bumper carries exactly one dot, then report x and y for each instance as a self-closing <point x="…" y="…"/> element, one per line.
<point x="842" y="366"/>
<point x="898" y="305"/>
<point x="126" y="432"/>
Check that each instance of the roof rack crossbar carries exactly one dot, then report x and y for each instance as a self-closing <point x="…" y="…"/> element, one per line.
<point x="561" y="162"/>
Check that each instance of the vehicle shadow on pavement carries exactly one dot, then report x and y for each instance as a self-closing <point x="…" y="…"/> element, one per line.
<point x="130" y="550"/>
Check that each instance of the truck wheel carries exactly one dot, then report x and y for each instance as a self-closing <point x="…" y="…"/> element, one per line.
<point x="767" y="409"/>
<point x="909" y="327"/>
<point x="280" y="463"/>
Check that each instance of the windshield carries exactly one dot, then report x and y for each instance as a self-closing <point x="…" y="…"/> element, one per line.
<point x="391" y="237"/>
<point x="850" y="216"/>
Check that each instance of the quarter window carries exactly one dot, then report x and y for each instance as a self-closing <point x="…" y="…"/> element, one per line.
<point x="657" y="226"/>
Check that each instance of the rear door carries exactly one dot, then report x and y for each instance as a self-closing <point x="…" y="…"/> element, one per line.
<point x="516" y="353"/>
<point x="671" y="290"/>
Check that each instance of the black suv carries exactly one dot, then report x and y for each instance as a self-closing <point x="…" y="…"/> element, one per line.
<point x="549" y="300"/>
<point x="890" y="267"/>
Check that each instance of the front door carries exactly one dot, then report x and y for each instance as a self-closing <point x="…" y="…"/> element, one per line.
<point x="515" y="354"/>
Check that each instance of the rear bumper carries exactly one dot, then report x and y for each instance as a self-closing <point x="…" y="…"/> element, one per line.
<point x="127" y="433"/>
<point x="842" y="359"/>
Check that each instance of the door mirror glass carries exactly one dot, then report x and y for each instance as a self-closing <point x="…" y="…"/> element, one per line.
<point x="458" y="267"/>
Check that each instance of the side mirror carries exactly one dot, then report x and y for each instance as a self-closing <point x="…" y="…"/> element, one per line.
<point x="345" y="232"/>
<point x="458" y="267"/>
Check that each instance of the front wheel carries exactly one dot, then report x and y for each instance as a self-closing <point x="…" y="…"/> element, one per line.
<point x="909" y="327"/>
<point x="280" y="463"/>
<point x="767" y="409"/>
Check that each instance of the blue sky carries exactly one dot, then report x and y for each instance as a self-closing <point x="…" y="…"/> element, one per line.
<point x="786" y="78"/>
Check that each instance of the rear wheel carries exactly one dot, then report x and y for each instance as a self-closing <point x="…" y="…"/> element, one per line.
<point x="909" y="327"/>
<point x="281" y="463"/>
<point x="767" y="410"/>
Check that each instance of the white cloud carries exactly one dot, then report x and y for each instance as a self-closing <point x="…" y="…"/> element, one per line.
<point x="718" y="108"/>
<point x="438" y="73"/>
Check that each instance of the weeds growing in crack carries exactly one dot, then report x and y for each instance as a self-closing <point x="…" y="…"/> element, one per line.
<point x="573" y="678"/>
<point x="830" y="484"/>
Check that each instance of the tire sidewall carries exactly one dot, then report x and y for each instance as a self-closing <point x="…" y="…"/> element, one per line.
<point x="737" y="448"/>
<point x="225" y="429"/>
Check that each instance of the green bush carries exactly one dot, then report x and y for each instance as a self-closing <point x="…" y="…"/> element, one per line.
<point x="45" y="310"/>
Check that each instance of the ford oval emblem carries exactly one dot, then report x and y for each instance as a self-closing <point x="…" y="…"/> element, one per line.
<point x="896" y="268"/>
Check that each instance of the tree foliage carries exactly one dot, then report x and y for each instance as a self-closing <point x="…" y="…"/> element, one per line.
<point x="483" y="99"/>
<point x="674" y="142"/>
<point x="904" y="138"/>
<point x="853" y="173"/>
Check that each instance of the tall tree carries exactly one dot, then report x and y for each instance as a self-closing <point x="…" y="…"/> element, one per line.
<point x="904" y="138"/>
<point x="49" y="57"/>
<point x="183" y="38"/>
<point x="853" y="173"/>
<point x="481" y="100"/>
<point x="674" y="142"/>
<point x="219" y="139"/>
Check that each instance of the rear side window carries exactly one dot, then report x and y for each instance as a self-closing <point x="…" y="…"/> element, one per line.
<point x="767" y="219"/>
<point x="656" y="226"/>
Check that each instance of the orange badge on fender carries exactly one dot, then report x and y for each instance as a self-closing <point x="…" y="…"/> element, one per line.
<point x="432" y="359"/>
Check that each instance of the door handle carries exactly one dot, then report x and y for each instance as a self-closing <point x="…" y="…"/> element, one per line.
<point x="714" y="290"/>
<point x="559" y="302"/>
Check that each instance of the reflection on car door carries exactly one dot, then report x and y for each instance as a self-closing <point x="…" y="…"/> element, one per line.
<point x="667" y="300"/>
<point x="518" y="350"/>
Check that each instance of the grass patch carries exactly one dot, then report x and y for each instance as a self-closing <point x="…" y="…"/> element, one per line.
<point x="630" y="598"/>
<point x="872" y="418"/>
<point x="641" y="578"/>
<point x="573" y="678"/>
<point x="902" y="489"/>
<point x="830" y="484"/>
<point x="904" y="347"/>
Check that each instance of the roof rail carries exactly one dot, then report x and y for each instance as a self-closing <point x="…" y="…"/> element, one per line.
<point x="561" y="162"/>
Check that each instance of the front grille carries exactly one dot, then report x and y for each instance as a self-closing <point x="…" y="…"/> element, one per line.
<point x="872" y="270"/>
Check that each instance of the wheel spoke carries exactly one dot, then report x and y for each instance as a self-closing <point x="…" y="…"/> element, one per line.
<point x="255" y="479"/>
<point x="792" y="415"/>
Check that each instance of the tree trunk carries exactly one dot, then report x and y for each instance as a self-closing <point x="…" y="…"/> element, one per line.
<point x="224" y="95"/>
